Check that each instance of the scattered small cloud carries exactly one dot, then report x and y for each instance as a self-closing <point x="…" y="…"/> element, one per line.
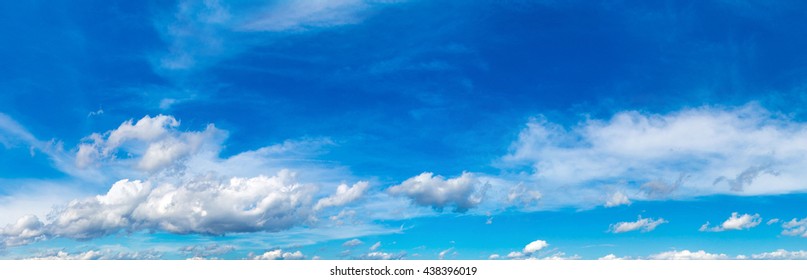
<point x="642" y="224"/>
<point x="735" y="222"/>
<point x="352" y="243"/>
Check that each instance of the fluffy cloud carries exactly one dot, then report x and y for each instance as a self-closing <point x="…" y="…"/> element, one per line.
<point x="735" y="222"/>
<point x="204" y="205"/>
<point x="462" y="193"/>
<point x="26" y="230"/>
<point x="154" y="142"/>
<point x="795" y="227"/>
<point x="691" y="152"/>
<point x="610" y="257"/>
<point x="617" y="199"/>
<point x="687" y="255"/>
<point x="343" y="195"/>
<point x="528" y="250"/>
<point x="645" y="225"/>
<point x="535" y="246"/>
<point x="781" y="254"/>
<point x="277" y="254"/>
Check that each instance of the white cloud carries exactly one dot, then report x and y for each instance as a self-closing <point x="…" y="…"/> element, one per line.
<point x="375" y="246"/>
<point x="691" y="152"/>
<point x="154" y="142"/>
<point x="462" y="193"/>
<point x="206" y="251"/>
<point x="645" y="225"/>
<point x="277" y="254"/>
<point x="772" y="221"/>
<point x="610" y="257"/>
<point x="535" y="246"/>
<point x="442" y="254"/>
<point x="617" y="199"/>
<point x="494" y="257"/>
<point x="687" y="255"/>
<point x="98" y="255"/>
<point x="781" y="254"/>
<point x="343" y="195"/>
<point x="735" y="222"/>
<point x="795" y="228"/>
<point x="528" y="250"/>
<point x="201" y="33"/>
<point x="523" y="196"/>
<point x="26" y="230"/>
<point x="382" y="256"/>
<point x="352" y="243"/>
<point x="515" y="255"/>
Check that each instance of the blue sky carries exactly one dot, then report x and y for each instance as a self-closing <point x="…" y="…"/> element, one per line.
<point x="356" y="129"/>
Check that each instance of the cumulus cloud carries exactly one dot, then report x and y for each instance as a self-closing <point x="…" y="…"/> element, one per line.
<point x="535" y="246"/>
<point x="610" y="257"/>
<point x="528" y="250"/>
<point x="277" y="254"/>
<point x="203" y="205"/>
<point x="795" y="227"/>
<point x="462" y="193"/>
<point x="781" y="254"/>
<point x="691" y="152"/>
<point x="687" y="255"/>
<point x="26" y="230"/>
<point x="643" y="224"/>
<point x="494" y="257"/>
<point x="617" y="199"/>
<point x="154" y="142"/>
<point x="735" y="222"/>
<point x="343" y="195"/>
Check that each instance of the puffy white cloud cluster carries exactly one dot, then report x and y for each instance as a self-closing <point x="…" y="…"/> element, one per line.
<point x="643" y="224"/>
<point x="343" y="195"/>
<point x="688" y="255"/>
<point x="461" y="193"/>
<point x="153" y="142"/>
<point x="278" y="254"/>
<point x="735" y="222"/>
<point x="698" y="151"/>
<point x="528" y="250"/>
<point x="204" y="205"/>
<point x="795" y="227"/>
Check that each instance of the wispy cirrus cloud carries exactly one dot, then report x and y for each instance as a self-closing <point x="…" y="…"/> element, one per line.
<point x="694" y="151"/>
<point x="201" y="33"/>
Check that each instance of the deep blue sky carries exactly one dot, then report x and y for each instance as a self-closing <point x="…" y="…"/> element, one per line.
<point x="382" y="91"/>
